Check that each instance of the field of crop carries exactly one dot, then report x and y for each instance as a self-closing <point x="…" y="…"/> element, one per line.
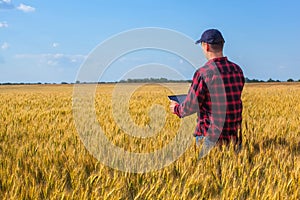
<point x="43" y="157"/>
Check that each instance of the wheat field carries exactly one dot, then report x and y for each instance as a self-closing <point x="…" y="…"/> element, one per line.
<point x="43" y="157"/>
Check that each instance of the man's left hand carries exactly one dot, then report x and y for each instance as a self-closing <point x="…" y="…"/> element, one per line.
<point x="172" y="106"/>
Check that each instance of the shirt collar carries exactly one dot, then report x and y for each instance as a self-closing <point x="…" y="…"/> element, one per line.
<point x="217" y="59"/>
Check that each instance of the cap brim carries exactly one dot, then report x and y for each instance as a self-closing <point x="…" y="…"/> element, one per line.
<point x="198" y="41"/>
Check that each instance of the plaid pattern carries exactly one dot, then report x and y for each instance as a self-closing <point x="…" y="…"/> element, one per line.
<point x="215" y="95"/>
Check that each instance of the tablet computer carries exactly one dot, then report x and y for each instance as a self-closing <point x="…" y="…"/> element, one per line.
<point x="178" y="98"/>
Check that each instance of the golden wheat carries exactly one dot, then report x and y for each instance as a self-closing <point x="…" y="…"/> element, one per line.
<point x="42" y="156"/>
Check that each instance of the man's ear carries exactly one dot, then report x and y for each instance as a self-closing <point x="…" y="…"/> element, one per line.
<point x="207" y="48"/>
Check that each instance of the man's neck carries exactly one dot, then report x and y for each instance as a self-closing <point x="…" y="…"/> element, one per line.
<point x="214" y="55"/>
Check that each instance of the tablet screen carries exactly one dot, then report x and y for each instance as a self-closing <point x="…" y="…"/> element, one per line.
<point x="178" y="98"/>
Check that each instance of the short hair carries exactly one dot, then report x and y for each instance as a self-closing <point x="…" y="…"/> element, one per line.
<point x="218" y="47"/>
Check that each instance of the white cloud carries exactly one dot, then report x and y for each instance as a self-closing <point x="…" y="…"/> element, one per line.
<point x="6" y="5"/>
<point x="55" y="44"/>
<point x="282" y="67"/>
<point x="52" y="62"/>
<point x="3" y="24"/>
<point x="25" y="8"/>
<point x="4" y="46"/>
<point x="54" y="59"/>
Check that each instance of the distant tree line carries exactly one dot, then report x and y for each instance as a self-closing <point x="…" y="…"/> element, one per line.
<point x="260" y="81"/>
<point x="148" y="80"/>
<point x="270" y="80"/>
<point x="153" y="80"/>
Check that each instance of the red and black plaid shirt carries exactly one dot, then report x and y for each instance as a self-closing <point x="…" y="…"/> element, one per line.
<point x="215" y="94"/>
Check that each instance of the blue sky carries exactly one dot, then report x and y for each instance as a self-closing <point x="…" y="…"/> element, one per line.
<point x="47" y="41"/>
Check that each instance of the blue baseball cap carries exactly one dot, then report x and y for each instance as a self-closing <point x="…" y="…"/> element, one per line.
<point x="211" y="36"/>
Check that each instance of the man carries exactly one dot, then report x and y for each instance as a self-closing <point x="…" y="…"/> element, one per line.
<point x="215" y="94"/>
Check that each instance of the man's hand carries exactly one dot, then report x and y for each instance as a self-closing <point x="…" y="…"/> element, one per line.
<point x="172" y="106"/>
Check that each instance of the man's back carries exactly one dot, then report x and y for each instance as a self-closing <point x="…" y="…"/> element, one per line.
<point x="226" y="97"/>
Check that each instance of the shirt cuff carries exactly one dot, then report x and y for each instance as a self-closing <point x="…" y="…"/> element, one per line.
<point x="176" y="110"/>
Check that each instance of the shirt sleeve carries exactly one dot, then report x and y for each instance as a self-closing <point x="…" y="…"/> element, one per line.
<point x="194" y="99"/>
